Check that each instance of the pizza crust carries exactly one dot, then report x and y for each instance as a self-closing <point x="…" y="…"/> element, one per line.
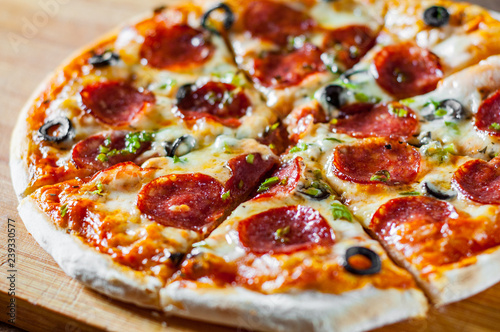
<point x="455" y="283"/>
<point x="357" y="310"/>
<point x="459" y="283"/>
<point x="86" y="265"/>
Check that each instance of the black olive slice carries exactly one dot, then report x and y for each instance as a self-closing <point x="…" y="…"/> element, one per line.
<point x="66" y="129"/>
<point x="436" y="16"/>
<point x="376" y="264"/>
<point x="228" y="20"/>
<point x="171" y="147"/>
<point x="454" y="108"/>
<point x="335" y="95"/>
<point x="184" y="91"/>
<point x="105" y="59"/>
<point x="177" y="257"/>
<point x="432" y="190"/>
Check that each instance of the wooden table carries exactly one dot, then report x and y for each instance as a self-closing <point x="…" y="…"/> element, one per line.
<point x="35" y="36"/>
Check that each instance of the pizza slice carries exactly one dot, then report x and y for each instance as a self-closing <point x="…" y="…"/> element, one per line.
<point x="293" y="258"/>
<point x="289" y="49"/>
<point x="162" y="82"/>
<point x="125" y="231"/>
<point x="462" y="113"/>
<point x="420" y="44"/>
<point x="435" y="212"/>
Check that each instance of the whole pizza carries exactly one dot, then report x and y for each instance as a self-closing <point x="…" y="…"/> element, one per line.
<point x="301" y="165"/>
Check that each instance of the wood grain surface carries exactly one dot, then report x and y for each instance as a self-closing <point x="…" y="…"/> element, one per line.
<point x="35" y="36"/>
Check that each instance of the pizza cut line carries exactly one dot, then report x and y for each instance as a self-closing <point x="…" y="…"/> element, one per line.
<point x="274" y="165"/>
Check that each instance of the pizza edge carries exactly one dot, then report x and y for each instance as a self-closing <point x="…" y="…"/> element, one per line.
<point x="456" y="281"/>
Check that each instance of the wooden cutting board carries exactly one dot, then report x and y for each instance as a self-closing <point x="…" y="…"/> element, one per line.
<point x="35" y="36"/>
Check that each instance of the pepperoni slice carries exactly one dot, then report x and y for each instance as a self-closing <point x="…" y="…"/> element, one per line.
<point x="350" y="43"/>
<point x="114" y="103"/>
<point x="392" y="120"/>
<point x="488" y="115"/>
<point x="85" y="153"/>
<point x="220" y="101"/>
<point x="374" y="161"/>
<point x="479" y="181"/>
<point x="429" y="231"/>
<point x="188" y="201"/>
<point x="285" y="230"/>
<point x="247" y="171"/>
<point x="406" y="70"/>
<point x="288" y="175"/>
<point x="275" y="22"/>
<point x="276" y="138"/>
<point x="177" y="47"/>
<point x="280" y="70"/>
<point x="419" y="209"/>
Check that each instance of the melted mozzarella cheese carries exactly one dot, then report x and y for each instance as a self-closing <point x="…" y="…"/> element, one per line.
<point x="329" y="17"/>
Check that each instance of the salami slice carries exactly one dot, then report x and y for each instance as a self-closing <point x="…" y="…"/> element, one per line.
<point x="247" y="171"/>
<point x="402" y="210"/>
<point x="177" y="48"/>
<point x="392" y="120"/>
<point x="114" y="103"/>
<point x="406" y="70"/>
<point x="280" y="70"/>
<point x="432" y="232"/>
<point x="187" y="201"/>
<point x="488" y="115"/>
<point x="286" y="179"/>
<point x="219" y="101"/>
<point x="479" y="181"/>
<point x="285" y="230"/>
<point x="350" y="43"/>
<point x="375" y="161"/>
<point x="275" y="22"/>
<point x="101" y="151"/>
<point x="276" y="138"/>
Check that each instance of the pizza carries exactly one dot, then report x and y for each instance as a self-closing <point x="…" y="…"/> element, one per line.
<point x="274" y="165"/>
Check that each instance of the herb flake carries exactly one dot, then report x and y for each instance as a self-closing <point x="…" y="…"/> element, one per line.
<point x="381" y="176"/>
<point x="410" y="193"/>
<point x="495" y="126"/>
<point x="268" y="183"/>
<point x="226" y="195"/>
<point x="281" y="234"/>
<point x="340" y="211"/>
<point x="99" y="189"/>
<point x="250" y="158"/>
<point x="63" y="210"/>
